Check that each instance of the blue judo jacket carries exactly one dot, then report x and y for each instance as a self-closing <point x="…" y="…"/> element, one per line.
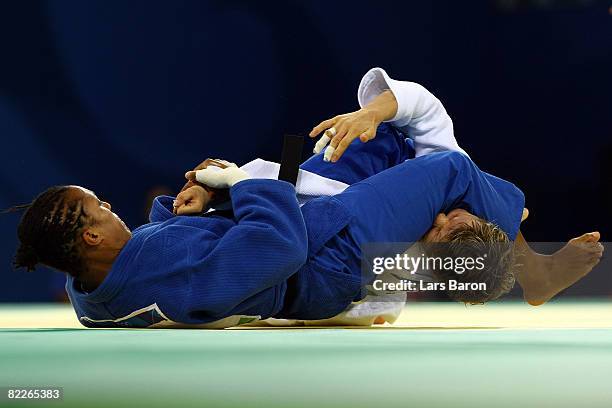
<point x="201" y="269"/>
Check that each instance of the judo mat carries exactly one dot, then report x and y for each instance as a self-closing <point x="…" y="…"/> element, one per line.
<point x="505" y="354"/>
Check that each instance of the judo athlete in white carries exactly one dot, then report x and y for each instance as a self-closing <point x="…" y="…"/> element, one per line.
<point x="414" y="113"/>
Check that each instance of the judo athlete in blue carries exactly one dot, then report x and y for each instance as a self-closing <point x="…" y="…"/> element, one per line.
<point x="267" y="257"/>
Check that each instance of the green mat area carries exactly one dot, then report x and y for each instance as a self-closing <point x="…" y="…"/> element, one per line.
<point x="388" y="367"/>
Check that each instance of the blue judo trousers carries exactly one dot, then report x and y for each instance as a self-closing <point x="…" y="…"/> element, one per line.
<point x="271" y="258"/>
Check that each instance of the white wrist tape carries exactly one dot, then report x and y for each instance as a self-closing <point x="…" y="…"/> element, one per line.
<point x="221" y="178"/>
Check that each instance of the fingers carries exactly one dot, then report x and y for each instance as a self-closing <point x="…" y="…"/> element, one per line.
<point x="328" y="153"/>
<point x="368" y="135"/>
<point x="338" y="145"/>
<point x="191" y="183"/>
<point x="187" y="208"/>
<point x="190" y="201"/>
<point x="180" y="200"/>
<point x="210" y="176"/>
<point x="222" y="163"/>
<point x="176" y="205"/>
<point x="326" y="124"/>
<point x="344" y="144"/>
<point x="321" y="143"/>
<point x="221" y="178"/>
<point x="341" y="130"/>
<point x="204" y="164"/>
<point x="341" y="142"/>
<point x="214" y="162"/>
<point x="190" y="175"/>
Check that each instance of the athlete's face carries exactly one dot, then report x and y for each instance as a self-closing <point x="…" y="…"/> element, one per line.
<point x="105" y="227"/>
<point x="444" y="224"/>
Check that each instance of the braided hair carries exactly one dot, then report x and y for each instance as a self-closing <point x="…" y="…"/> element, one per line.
<point x="49" y="232"/>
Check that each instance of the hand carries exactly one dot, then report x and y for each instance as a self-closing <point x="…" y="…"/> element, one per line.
<point x="191" y="201"/>
<point x="218" y="177"/>
<point x="343" y="129"/>
<point x="348" y="127"/>
<point x="203" y="165"/>
<point x="213" y="162"/>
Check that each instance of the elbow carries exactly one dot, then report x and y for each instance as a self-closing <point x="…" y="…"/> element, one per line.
<point x="302" y="255"/>
<point x="293" y="243"/>
<point x="295" y="247"/>
<point x="297" y="252"/>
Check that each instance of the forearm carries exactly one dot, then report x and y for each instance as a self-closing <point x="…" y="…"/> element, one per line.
<point x="418" y="113"/>
<point x="458" y="183"/>
<point x="383" y="106"/>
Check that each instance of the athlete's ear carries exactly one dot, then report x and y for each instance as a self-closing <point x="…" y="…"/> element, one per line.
<point x="440" y="220"/>
<point x="92" y="237"/>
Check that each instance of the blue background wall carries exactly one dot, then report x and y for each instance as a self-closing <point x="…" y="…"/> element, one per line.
<point x="123" y="97"/>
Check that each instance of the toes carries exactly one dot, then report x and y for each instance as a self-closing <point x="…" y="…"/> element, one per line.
<point x="595" y="257"/>
<point x="594" y="261"/>
<point x="593" y="247"/>
<point x="588" y="237"/>
<point x="593" y="236"/>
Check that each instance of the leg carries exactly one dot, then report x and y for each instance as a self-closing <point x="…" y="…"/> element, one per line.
<point x="543" y="276"/>
<point x="362" y="160"/>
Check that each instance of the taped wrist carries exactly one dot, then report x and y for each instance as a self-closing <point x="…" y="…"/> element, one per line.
<point x="221" y="178"/>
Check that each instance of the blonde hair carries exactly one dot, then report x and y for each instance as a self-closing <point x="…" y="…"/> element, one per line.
<point x="473" y="239"/>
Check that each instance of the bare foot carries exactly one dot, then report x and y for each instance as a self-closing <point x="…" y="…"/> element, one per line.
<point x="543" y="276"/>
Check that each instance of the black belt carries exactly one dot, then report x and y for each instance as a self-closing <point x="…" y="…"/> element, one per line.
<point x="291" y="158"/>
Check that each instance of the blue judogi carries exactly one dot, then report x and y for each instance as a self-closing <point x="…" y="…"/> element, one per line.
<point x="390" y="200"/>
<point x="499" y="203"/>
<point x="271" y="258"/>
<point x="199" y="269"/>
